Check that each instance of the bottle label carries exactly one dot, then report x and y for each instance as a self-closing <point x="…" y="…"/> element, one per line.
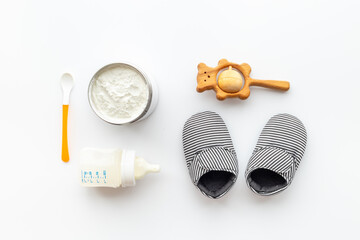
<point x="95" y="177"/>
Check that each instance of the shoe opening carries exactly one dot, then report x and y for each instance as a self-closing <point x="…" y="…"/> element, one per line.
<point x="216" y="183"/>
<point x="264" y="181"/>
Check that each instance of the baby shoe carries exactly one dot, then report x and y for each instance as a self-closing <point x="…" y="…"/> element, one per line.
<point x="277" y="155"/>
<point x="209" y="153"/>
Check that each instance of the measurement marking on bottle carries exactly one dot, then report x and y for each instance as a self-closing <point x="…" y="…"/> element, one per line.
<point x="91" y="177"/>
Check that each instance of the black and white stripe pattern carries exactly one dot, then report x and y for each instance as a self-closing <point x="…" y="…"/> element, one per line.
<point x="277" y="155"/>
<point x="208" y="147"/>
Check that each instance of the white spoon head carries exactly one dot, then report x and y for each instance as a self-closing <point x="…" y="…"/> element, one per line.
<point x="67" y="83"/>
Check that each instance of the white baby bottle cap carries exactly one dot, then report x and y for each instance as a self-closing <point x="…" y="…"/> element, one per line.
<point x="127" y="168"/>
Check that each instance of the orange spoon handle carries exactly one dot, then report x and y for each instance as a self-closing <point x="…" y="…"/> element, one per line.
<point x="279" y="85"/>
<point x="65" y="150"/>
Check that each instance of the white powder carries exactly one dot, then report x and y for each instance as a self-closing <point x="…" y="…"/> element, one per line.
<point x="119" y="94"/>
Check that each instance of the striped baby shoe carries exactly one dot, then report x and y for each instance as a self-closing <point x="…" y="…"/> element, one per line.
<point x="277" y="155"/>
<point x="209" y="153"/>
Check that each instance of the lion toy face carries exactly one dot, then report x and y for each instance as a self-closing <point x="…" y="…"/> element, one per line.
<point x="206" y="78"/>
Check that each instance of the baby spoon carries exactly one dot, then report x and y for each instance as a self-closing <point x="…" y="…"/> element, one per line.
<point x="67" y="83"/>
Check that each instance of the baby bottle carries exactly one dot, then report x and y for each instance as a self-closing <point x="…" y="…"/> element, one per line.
<point x="112" y="168"/>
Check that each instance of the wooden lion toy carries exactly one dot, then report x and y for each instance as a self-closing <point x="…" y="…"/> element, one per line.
<point x="232" y="83"/>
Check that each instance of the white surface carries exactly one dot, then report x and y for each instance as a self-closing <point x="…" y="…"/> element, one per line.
<point x="313" y="44"/>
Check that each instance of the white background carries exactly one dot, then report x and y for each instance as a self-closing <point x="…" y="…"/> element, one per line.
<point x="313" y="44"/>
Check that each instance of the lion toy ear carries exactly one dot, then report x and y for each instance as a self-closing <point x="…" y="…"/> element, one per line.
<point x="201" y="66"/>
<point x="223" y="61"/>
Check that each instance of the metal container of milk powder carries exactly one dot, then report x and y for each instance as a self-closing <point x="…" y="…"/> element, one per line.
<point x="120" y="93"/>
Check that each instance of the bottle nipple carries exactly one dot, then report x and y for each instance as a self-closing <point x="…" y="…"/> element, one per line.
<point x="142" y="168"/>
<point x="154" y="168"/>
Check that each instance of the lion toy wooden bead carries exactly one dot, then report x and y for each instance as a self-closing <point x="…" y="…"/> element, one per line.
<point x="232" y="83"/>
